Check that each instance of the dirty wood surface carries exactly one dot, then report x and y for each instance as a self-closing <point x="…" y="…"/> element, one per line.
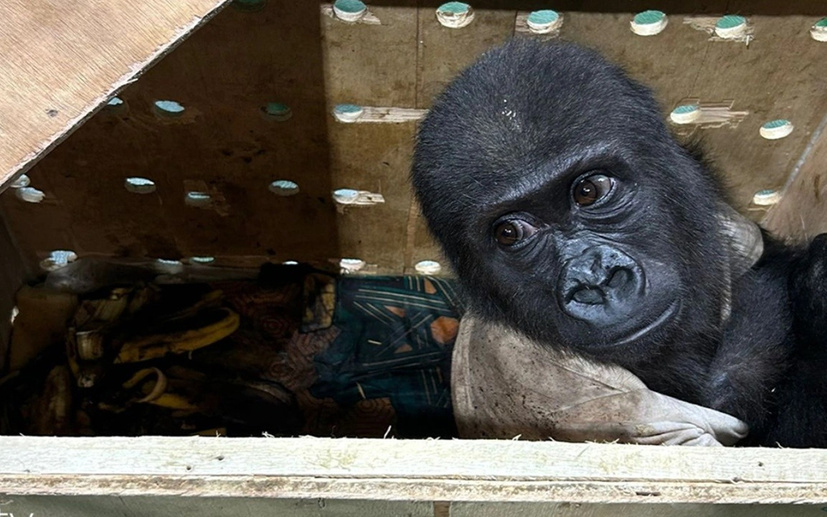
<point x="297" y="54"/>
<point x="255" y="53"/>
<point x="800" y="215"/>
<point x="419" y="470"/>
<point x="63" y="60"/>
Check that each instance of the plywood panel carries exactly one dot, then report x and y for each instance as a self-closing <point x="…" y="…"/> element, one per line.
<point x="410" y="470"/>
<point x="373" y="65"/>
<point x="139" y="506"/>
<point x="222" y="142"/>
<point x="62" y="60"/>
<point x="779" y="75"/>
<point x="800" y="215"/>
<point x="638" y="510"/>
<point x="290" y="53"/>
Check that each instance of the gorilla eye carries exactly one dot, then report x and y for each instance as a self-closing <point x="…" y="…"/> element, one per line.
<point x="511" y="232"/>
<point x="589" y="190"/>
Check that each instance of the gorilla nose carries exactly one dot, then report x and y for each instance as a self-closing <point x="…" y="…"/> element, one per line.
<point x="600" y="276"/>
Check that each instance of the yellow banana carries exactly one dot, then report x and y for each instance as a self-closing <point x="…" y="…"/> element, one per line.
<point x="221" y="323"/>
<point x="173" y="401"/>
<point x="153" y="391"/>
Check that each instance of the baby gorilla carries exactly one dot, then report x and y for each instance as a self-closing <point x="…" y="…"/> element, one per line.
<point x="570" y="213"/>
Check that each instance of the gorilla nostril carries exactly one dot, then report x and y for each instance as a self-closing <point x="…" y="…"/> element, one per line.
<point x="588" y="295"/>
<point x="619" y="277"/>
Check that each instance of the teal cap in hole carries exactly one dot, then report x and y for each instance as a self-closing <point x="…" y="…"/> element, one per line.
<point x="169" y="107"/>
<point x="284" y="187"/>
<point x="686" y="108"/>
<point x="350" y="6"/>
<point x="348" y="108"/>
<point x="543" y="17"/>
<point x="277" y="110"/>
<point x="454" y="7"/>
<point x="649" y="17"/>
<point x="284" y="184"/>
<point x="773" y="124"/>
<point x="730" y="21"/>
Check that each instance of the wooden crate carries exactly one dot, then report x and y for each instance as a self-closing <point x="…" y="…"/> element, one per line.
<point x="63" y="62"/>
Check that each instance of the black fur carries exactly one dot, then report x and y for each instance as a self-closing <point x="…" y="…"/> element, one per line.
<point x="638" y="278"/>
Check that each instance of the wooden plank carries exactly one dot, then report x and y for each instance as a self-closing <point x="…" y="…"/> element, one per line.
<point x="143" y="506"/>
<point x="223" y="75"/>
<point x="61" y="61"/>
<point x="770" y="79"/>
<point x="373" y="65"/>
<point x="774" y="77"/>
<point x="12" y="274"/>
<point x="636" y="510"/>
<point x="429" y="470"/>
<point x="799" y="216"/>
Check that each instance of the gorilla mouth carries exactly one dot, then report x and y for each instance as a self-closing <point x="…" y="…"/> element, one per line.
<point x="636" y="335"/>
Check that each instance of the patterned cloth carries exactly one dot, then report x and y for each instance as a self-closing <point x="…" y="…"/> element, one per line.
<point x="372" y="353"/>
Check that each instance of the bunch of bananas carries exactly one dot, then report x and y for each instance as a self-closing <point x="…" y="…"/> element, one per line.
<point x="136" y="325"/>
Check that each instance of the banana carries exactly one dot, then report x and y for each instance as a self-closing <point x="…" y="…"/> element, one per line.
<point x="174" y="401"/>
<point x="220" y="323"/>
<point x="155" y="391"/>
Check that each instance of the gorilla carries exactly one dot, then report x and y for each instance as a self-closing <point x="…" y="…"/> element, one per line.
<point x="570" y="213"/>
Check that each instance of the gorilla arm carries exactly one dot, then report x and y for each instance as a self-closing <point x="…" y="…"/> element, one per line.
<point x="504" y="385"/>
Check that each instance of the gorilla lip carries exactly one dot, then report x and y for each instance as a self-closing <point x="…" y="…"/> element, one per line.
<point x="664" y="317"/>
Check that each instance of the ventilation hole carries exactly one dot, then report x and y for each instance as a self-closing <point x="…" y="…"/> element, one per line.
<point x="138" y="185"/>
<point x="543" y="22"/>
<point x="455" y="15"/>
<point x="819" y="31"/>
<point x="197" y="199"/>
<point x="649" y="23"/>
<point x="30" y="194"/>
<point x="351" y="265"/>
<point x="345" y="195"/>
<point x="428" y="267"/>
<point x="766" y="197"/>
<point x="349" y="10"/>
<point x="348" y="112"/>
<point x="277" y="111"/>
<point x="14" y="313"/>
<point x="116" y="105"/>
<point x="249" y="5"/>
<point x="730" y="26"/>
<point x="168" y="108"/>
<point x="284" y="188"/>
<point x="169" y="266"/>
<point x="776" y="129"/>
<point x="22" y="181"/>
<point x="202" y="260"/>
<point x="58" y="259"/>
<point x="685" y="114"/>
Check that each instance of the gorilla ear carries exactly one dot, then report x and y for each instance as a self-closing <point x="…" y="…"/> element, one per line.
<point x="745" y="244"/>
<point x="744" y="239"/>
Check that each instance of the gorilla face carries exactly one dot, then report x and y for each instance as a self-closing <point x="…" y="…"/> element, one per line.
<point x="565" y="206"/>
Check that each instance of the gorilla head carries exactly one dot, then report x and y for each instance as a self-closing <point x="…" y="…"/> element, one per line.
<point x="566" y="207"/>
